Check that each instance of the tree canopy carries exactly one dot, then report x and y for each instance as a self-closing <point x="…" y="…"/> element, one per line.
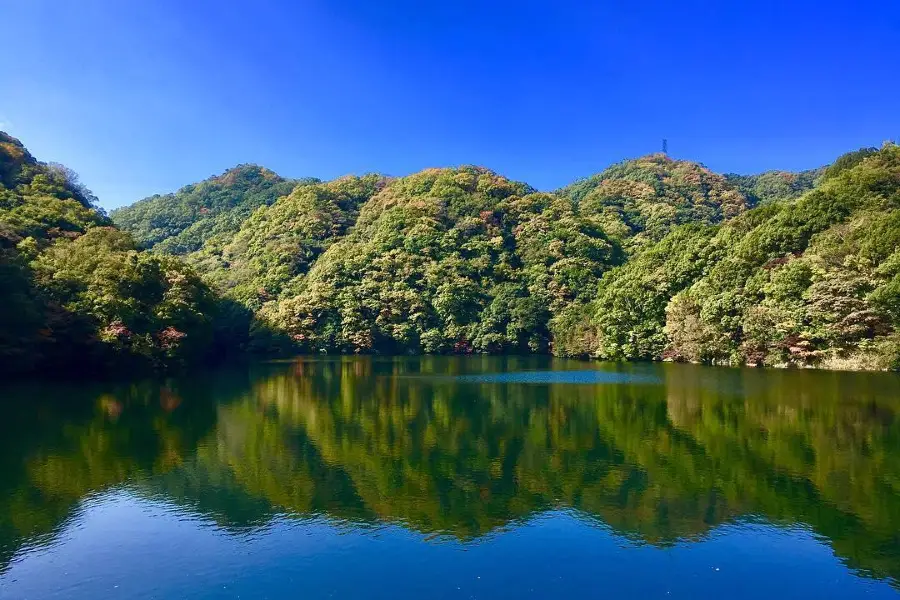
<point x="639" y="201"/>
<point x="650" y="259"/>
<point x="447" y="260"/>
<point x="182" y="222"/>
<point x="806" y="281"/>
<point x="76" y="293"/>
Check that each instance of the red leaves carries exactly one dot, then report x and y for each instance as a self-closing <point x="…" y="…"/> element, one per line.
<point x="116" y="329"/>
<point x="170" y="337"/>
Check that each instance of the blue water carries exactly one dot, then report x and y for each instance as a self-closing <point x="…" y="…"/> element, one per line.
<point x="453" y="478"/>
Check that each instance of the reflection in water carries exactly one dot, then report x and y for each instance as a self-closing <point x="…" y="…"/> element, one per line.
<point x="460" y="447"/>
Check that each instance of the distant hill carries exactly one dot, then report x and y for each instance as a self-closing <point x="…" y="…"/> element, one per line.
<point x="182" y="222"/>
<point x="281" y="242"/>
<point x="772" y="186"/>
<point x="638" y="201"/>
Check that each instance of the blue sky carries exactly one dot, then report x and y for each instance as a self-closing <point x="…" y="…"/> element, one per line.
<point x="144" y="97"/>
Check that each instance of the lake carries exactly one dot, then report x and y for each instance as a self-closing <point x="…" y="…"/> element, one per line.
<point x="453" y="477"/>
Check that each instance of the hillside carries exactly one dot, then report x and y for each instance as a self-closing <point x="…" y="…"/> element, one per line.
<point x="447" y="260"/>
<point x="811" y="281"/>
<point x="76" y="293"/>
<point x="650" y="259"/>
<point x="773" y="186"/>
<point x="182" y="222"/>
<point x="638" y="201"/>
<point x="280" y="242"/>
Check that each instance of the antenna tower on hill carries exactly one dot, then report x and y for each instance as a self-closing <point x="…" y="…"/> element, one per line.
<point x="665" y="146"/>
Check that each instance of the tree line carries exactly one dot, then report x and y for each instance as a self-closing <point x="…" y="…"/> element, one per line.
<point x="651" y="259"/>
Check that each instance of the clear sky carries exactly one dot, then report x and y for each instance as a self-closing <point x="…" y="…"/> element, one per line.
<point x="144" y="97"/>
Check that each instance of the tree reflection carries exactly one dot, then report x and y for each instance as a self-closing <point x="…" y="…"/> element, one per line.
<point x="369" y="440"/>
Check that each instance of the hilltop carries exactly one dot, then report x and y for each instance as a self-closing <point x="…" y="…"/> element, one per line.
<point x="182" y="222"/>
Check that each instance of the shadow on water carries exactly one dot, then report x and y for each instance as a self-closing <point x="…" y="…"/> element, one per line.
<point x="461" y="447"/>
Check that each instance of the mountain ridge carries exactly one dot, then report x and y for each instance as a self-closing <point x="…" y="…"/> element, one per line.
<point x="182" y="221"/>
<point x="652" y="258"/>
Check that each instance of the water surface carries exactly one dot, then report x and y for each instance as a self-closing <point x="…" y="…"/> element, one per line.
<point x="453" y="478"/>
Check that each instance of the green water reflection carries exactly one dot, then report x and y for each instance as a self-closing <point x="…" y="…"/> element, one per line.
<point x="662" y="453"/>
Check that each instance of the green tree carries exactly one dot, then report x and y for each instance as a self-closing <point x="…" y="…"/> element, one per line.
<point x="209" y="211"/>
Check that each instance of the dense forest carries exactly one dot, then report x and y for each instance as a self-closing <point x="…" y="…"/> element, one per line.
<point x="650" y="259"/>
<point x="78" y="294"/>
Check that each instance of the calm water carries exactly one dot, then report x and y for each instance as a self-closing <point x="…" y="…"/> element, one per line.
<point x="454" y="478"/>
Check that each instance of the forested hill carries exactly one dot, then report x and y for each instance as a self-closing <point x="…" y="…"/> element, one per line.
<point x="772" y="186"/>
<point x="650" y="259"/>
<point x="639" y="201"/>
<point x="279" y="243"/>
<point x="447" y="260"/>
<point x="182" y="222"/>
<point x="807" y="281"/>
<point x="76" y="294"/>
